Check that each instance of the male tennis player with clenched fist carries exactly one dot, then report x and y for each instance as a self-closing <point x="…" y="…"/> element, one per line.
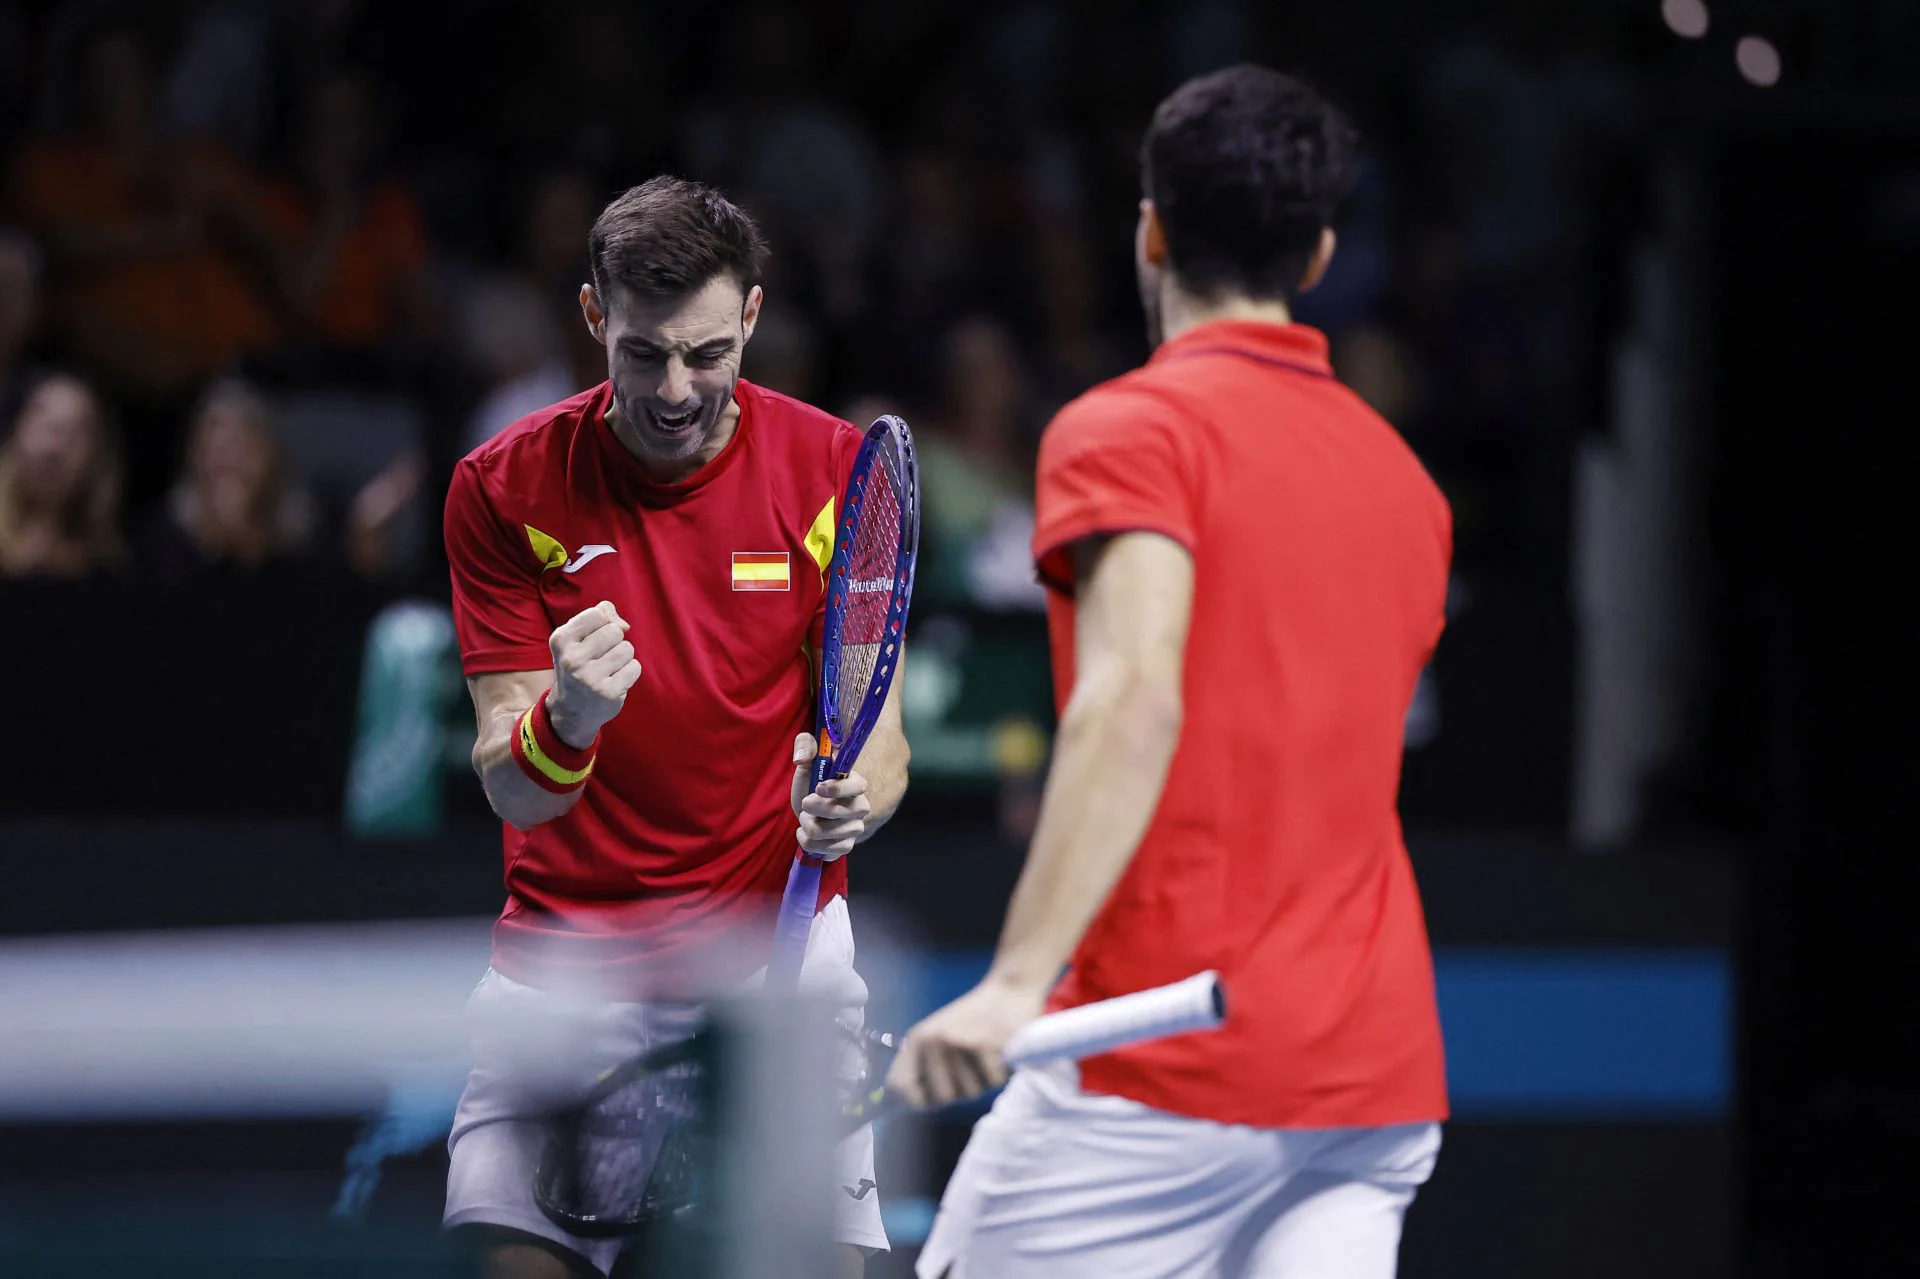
<point x="1247" y="568"/>
<point x="638" y="587"/>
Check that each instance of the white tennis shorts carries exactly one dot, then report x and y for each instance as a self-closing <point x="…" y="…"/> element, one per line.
<point x="1064" y="1184"/>
<point x="500" y="1128"/>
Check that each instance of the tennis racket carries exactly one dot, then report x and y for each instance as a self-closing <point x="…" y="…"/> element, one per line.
<point x="869" y="584"/>
<point x="605" y="1173"/>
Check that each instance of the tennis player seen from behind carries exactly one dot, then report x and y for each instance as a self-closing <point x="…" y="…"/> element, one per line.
<point x="1247" y="569"/>
<point x="638" y="586"/>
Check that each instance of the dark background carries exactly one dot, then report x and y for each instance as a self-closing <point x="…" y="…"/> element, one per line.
<point x="1646" y="321"/>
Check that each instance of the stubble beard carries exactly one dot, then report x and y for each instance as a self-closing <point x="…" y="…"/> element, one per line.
<point x="652" y="446"/>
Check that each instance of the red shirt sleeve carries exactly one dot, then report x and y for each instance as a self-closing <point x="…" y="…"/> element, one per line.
<point x="1113" y="461"/>
<point x="497" y="611"/>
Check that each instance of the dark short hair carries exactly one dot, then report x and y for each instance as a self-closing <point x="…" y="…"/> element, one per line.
<point x="669" y="237"/>
<point x="1246" y="167"/>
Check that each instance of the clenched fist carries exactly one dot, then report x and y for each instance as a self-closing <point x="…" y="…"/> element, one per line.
<point x="593" y="667"/>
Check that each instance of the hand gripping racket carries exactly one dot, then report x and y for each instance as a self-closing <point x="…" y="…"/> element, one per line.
<point x="869" y="584"/>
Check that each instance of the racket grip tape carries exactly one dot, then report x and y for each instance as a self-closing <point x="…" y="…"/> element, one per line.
<point x="1198" y="1003"/>
<point x="794" y="923"/>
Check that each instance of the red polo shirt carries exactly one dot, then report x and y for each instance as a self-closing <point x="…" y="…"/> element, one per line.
<point x="684" y="834"/>
<point x="1321" y="550"/>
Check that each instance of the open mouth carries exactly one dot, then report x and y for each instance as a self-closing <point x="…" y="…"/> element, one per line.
<point x="677" y="423"/>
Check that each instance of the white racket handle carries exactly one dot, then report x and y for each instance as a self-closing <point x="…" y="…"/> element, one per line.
<point x="1198" y="1003"/>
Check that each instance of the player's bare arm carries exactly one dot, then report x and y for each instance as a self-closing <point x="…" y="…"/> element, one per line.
<point x="594" y="667"/>
<point x="1116" y="743"/>
<point x="846" y="812"/>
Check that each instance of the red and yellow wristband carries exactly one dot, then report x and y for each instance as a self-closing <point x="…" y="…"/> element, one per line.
<point x="548" y="762"/>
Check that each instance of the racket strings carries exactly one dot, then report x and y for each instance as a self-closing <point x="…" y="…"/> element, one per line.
<point x="629" y="1159"/>
<point x="635" y="1154"/>
<point x="873" y="563"/>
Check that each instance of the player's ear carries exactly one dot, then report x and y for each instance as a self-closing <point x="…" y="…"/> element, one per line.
<point x="750" y="312"/>
<point x="1150" y="238"/>
<point x="596" y="316"/>
<point x="1318" y="263"/>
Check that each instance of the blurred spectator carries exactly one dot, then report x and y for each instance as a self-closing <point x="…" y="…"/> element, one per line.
<point x="1510" y="106"/>
<point x="807" y="169"/>
<point x="19" y="310"/>
<point x="354" y="255"/>
<point x="862" y="409"/>
<point x="512" y="340"/>
<point x="976" y="464"/>
<point x="553" y="258"/>
<point x="378" y="520"/>
<point x="785" y="353"/>
<point x="156" y="248"/>
<point x="1531" y="116"/>
<point x="1076" y="354"/>
<point x="931" y="268"/>
<point x="234" y="509"/>
<point x="60" y="485"/>
<point x="521" y="328"/>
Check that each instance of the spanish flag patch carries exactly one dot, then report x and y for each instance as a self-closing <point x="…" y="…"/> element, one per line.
<point x="762" y="571"/>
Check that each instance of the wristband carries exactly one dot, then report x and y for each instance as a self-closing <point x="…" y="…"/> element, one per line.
<point x="548" y="762"/>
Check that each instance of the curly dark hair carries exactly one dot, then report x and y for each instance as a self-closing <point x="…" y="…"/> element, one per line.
<point x="1246" y="167"/>
<point x="669" y="237"/>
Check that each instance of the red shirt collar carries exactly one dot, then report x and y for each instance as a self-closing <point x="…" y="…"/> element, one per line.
<point x="1296" y="346"/>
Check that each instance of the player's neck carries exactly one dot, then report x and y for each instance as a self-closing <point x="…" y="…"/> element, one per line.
<point x="673" y="472"/>
<point x="1181" y="311"/>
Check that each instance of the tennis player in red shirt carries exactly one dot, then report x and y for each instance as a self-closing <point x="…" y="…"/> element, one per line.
<point x="638" y="586"/>
<point x="1247" y="568"/>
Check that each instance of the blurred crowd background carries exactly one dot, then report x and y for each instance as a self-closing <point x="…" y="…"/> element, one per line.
<point x="269" y="267"/>
<point x="1618" y="270"/>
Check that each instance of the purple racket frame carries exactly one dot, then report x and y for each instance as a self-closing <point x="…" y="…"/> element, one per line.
<point x="839" y="735"/>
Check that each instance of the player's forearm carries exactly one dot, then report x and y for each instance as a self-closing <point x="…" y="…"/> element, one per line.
<point x="885" y="757"/>
<point x="516" y="800"/>
<point x="884" y="764"/>
<point x="1115" y="745"/>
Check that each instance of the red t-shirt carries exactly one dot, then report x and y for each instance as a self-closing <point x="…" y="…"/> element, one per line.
<point x="1320" y="548"/>
<point x="685" y="829"/>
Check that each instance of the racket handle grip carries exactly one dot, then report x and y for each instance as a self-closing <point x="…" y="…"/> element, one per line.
<point x="793" y="924"/>
<point x="1198" y="1003"/>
